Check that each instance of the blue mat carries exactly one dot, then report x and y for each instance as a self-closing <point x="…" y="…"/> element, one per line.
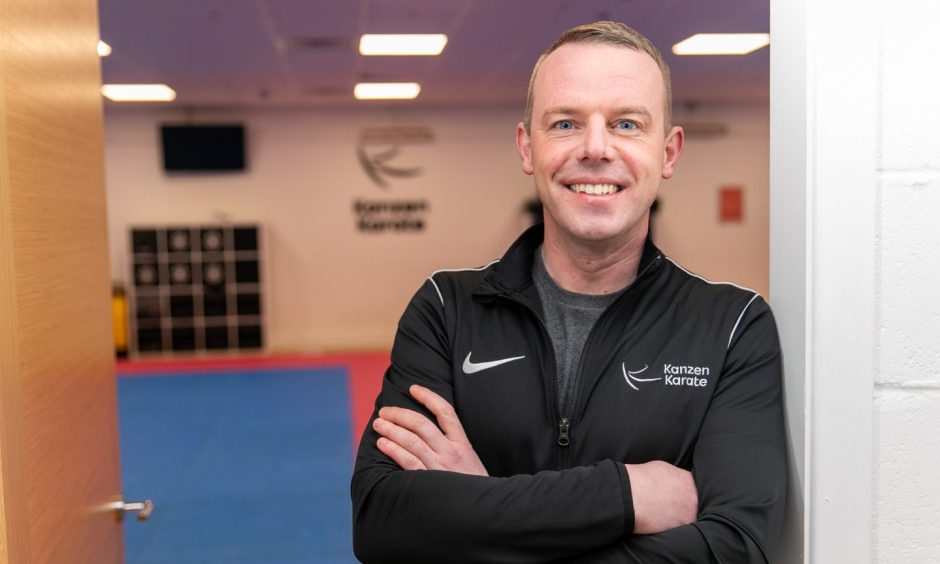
<point x="247" y="467"/>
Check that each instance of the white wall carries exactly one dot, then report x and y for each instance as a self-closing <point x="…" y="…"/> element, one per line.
<point x="907" y="382"/>
<point x="329" y="286"/>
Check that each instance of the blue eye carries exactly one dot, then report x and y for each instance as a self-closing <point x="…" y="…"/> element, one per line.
<point x="626" y="125"/>
<point x="564" y="125"/>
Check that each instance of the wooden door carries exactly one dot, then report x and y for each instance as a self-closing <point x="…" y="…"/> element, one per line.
<point x="59" y="462"/>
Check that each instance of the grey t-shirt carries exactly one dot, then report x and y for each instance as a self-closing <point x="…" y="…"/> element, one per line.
<point x="569" y="318"/>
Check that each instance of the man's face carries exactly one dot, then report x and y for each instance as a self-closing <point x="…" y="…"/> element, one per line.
<point x="597" y="147"/>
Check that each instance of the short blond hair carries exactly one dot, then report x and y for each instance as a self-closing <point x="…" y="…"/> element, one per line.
<point x="609" y="33"/>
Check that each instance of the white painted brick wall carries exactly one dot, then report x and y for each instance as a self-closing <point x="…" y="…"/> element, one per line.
<point x="907" y="394"/>
<point x="910" y="281"/>
<point x="908" y="504"/>
<point x="911" y="85"/>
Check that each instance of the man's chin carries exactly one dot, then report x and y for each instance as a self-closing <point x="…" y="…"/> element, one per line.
<point x="599" y="232"/>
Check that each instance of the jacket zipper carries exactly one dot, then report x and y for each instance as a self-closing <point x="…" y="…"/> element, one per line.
<point x="564" y="421"/>
<point x="564" y="424"/>
<point x="563" y="427"/>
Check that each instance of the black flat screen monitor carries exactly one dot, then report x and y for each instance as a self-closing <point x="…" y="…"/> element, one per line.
<point x="203" y="147"/>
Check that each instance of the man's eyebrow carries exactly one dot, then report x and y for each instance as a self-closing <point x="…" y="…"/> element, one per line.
<point x="633" y="110"/>
<point x="563" y="110"/>
<point x="625" y="110"/>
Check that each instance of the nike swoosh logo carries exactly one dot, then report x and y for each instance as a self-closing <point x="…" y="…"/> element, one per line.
<point x="471" y="367"/>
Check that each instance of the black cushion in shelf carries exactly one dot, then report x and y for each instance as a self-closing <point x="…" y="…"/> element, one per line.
<point x="217" y="337"/>
<point x="149" y="340"/>
<point x="144" y="240"/>
<point x="248" y="304"/>
<point x="249" y="337"/>
<point x="181" y="306"/>
<point x="247" y="271"/>
<point x="246" y="238"/>
<point x="184" y="339"/>
<point x="214" y="304"/>
<point x="148" y="307"/>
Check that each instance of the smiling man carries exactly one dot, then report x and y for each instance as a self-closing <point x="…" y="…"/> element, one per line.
<point x="583" y="399"/>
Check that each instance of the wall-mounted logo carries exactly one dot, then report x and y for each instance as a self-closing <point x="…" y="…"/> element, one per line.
<point x="377" y="216"/>
<point x="379" y="148"/>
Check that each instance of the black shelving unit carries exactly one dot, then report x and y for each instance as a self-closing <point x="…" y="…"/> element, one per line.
<point x="195" y="288"/>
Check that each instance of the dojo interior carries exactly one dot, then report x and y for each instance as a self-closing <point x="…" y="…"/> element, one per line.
<point x="265" y="230"/>
<point x="198" y="295"/>
<point x="279" y="249"/>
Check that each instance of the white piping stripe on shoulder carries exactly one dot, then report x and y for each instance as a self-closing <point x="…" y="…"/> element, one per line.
<point x="431" y="277"/>
<point x="436" y="288"/>
<point x="740" y="317"/>
<point x="679" y="266"/>
<point x="736" y="323"/>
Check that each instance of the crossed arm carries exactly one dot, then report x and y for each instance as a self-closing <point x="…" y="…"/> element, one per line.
<point x="664" y="496"/>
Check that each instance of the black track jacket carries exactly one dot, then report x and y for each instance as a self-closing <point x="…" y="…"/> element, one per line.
<point x="676" y="369"/>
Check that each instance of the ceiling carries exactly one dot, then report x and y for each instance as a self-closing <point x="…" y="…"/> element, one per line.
<point x="303" y="53"/>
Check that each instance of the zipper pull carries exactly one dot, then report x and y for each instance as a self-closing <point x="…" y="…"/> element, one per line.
<point x="563" y="427"/>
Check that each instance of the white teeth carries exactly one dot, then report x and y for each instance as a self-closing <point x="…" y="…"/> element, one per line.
<point x="595" y="189"/>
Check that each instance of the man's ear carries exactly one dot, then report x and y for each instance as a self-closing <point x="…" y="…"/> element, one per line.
<point x="524" y="146"/>
<point x="674" y="143"/>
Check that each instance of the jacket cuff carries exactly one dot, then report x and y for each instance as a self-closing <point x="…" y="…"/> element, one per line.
<point x="627" y="492"/>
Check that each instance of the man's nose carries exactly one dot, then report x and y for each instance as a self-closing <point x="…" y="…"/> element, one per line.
<point x="596" y="145"/>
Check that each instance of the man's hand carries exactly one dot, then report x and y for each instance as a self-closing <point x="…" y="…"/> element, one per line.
<point x="664" y="496"/>
<point x="415" y="443"/>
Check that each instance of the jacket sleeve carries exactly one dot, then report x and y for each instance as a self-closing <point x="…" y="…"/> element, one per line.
<point x="739" y="464"/>
<point x="434" y="516"/>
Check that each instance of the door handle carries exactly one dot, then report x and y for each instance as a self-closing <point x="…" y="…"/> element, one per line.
<point x="143" y="508"/>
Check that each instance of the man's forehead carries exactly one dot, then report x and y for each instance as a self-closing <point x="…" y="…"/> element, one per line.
<point x="575" y="58"/>
<point x="576" y="69"/>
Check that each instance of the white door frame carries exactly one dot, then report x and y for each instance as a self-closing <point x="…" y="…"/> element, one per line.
<point x="824" y="132"/>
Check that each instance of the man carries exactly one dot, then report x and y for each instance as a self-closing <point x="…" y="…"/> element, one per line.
<point x="584" y="399"/>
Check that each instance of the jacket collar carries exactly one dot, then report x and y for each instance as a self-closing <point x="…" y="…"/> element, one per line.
<point x="513" y="273"/>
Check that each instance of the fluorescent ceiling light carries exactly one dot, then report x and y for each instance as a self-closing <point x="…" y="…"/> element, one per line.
<point x="402" y="44"/>
<point x="103" y="49"/>
<point x="386" y="90"/>
<point x="138" y="92"/>
<point x="721" y="44"/>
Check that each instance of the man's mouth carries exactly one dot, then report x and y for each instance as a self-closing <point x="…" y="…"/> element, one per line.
<point x="595" y="189"/>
